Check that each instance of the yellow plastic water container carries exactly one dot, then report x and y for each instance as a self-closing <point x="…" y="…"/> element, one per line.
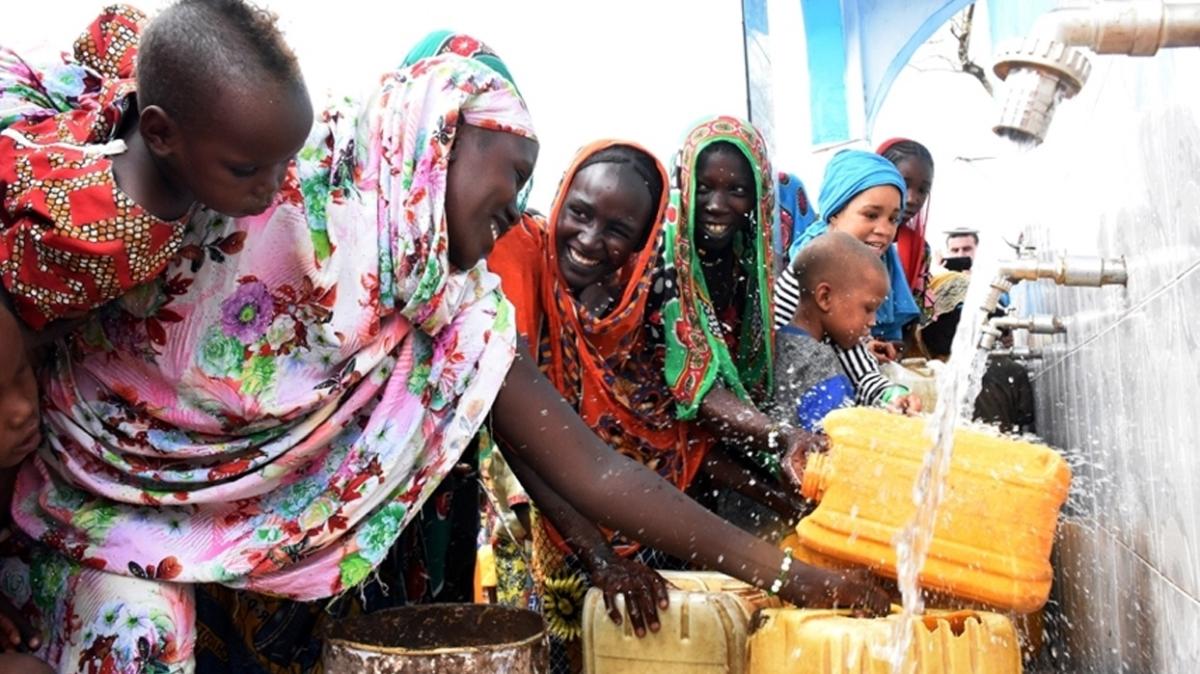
<point x="994" y="529"/>
<point x="797" y="641"/>
<point x="703" y="632"/>
<point x="1030" y="627"/>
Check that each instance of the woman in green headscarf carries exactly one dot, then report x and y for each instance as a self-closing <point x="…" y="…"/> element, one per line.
<point x="716" y="311"/>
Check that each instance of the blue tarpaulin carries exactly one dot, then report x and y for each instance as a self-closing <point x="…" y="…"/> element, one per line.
<point x="856" y="48"/>
<point x="879" y="37"/>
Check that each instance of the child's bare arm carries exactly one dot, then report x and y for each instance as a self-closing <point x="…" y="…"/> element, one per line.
<point x="728" y="472"/>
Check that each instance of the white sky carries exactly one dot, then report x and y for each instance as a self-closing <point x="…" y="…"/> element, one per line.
<point x="952" y="114"/>
<point x="638" y="69"/>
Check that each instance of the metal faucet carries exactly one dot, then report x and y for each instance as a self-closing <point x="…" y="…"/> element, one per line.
<point x="1044" y="67"/>
<point x="1038" y="324"/>
<point x="1017" y="353"/>
<point x="1065" y="271"/>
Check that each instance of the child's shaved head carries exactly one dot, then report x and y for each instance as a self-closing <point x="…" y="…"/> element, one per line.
<point x="195" y="48"/>
<point x="842" y="284"/>
<point x="835" y="258"/>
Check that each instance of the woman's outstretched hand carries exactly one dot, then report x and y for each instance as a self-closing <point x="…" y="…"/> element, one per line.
<point x="644" y="590"/>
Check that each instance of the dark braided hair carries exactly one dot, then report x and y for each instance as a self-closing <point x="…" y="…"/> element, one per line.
<point x="194" y="46"/>
<point x="908" y="149"/>
<point x="642" y="164"/>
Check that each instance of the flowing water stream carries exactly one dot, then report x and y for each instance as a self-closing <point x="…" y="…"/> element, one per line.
<point x="958" y="386"/>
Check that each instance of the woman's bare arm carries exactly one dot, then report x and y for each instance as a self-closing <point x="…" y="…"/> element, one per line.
<point x="544" y="433"/>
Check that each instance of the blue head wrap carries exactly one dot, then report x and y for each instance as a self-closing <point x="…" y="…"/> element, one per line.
<point x="849" y="173"/>
<point x="793" y="213"/>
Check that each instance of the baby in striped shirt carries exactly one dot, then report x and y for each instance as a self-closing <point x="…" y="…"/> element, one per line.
<point x="840" y="283"/>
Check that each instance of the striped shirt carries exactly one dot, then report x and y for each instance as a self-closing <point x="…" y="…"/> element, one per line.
<point x="871" y="388"/>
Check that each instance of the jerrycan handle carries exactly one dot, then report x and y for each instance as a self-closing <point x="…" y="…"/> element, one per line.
<point x="817" y="471"/>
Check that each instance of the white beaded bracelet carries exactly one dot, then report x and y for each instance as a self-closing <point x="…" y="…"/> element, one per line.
<point x="773" y="434"/>
<point x="784" y="567"/>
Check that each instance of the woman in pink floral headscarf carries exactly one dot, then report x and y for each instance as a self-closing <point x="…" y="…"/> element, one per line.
<point x="271" y="412"/>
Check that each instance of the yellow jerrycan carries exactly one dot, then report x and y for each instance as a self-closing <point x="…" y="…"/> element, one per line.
<point x="994" y="528"/>
<point x="703" y="632"/>
<point x="797" y="641"/>
<point x="1029" y="626"/>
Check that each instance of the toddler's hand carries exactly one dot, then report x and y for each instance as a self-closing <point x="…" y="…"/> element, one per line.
<point x="884" y="352"/>
<point x="909" y="405"/>
<point x="15" y="631"/>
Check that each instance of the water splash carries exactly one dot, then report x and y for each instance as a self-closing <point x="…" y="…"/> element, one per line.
<point x="958" y="386"/>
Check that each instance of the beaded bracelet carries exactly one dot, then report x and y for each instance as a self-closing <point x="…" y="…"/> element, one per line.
<point x="784" y="567"/>
<point x="773" y="433"/>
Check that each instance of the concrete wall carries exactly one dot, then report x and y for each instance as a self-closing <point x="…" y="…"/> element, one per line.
<point x="1120" y="175"/>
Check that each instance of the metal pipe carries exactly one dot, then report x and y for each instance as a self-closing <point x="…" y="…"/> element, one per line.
<point x="1038" y="324"/>
<point x="1017" y="353"/>
<point x="1068" y="271"/>
<point x="1046" y="67"/>
<point x="1073" y="270"/>
<point x="1131" y="27"/>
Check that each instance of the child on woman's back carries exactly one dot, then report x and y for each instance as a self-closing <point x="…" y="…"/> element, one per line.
<point x="842" y="282"/>
<point x="96" y="197"/>
<point x="99" y="179"/>
<point x="99" y="185"/>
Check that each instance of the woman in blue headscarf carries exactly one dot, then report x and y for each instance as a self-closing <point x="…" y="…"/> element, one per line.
<point x="862" y="195"/>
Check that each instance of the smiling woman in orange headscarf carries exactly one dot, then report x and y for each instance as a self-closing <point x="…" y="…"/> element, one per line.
<point x="580" y="282"/>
